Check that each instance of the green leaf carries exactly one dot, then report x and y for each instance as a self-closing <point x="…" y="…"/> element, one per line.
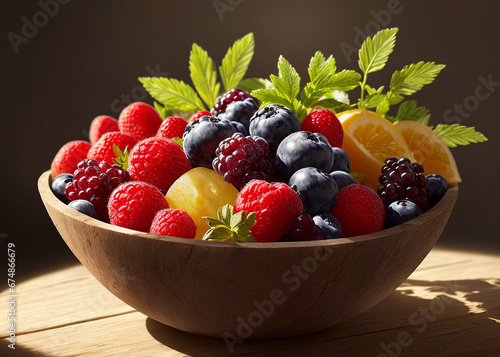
<point x="358" y="177"/>
<point x="343" y="81"/>
<point x="219" y="233"/>
<point x="179" y="141"/>
<point x="173" y="93"/>
<point x="250" y="220"/>
<point x="288" y="81"/>
<point x="413" y="77"/>
<point x="236" y="61"/>
<point x="224" y="213"/>
<point x="237" y="219"/>
<point x="299" y="109"/>
<point x="371" y="90"/>
<point x="383" y="107"/>
<point x="408" y="110"/>
<point x="332" y="104"/>
<point x="121" y="158"/>
<point x="374" y="54"/>
<point x="271" y="96"/>
<point x="319" y="68"/>
<point x="251" y="84"/>
<point x="203" y="75"/>
<point x="163" y="111"/>
<point x="456" y="134"/>
<point x="213" y="222"/>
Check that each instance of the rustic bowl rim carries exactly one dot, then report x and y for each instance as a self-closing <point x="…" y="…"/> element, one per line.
<point x="48" y="196"/>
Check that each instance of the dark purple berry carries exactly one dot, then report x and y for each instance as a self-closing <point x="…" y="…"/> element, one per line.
<point x="84" y="207"/>
<point x="328" y="225"/>
<point x="303" y="228"/>
<point x="341" y="161"/>
<point x="58" y="186"/>
<point x="234" y="95"/>
<point x="438" y="186"/>
<point x="240" y="112"/>
<point x="401" y="211"/>
<point x="343" y="179"/>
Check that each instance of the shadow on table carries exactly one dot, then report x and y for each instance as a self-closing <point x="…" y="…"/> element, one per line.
<point x="434" y="314"/>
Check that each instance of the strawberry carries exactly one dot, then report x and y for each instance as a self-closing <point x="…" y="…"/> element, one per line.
<point x="100" y="126"/>
<point x="276" y="206"/>
<point x="199" y="114"/>
<point x="103" y="148"/>
<point x="68" y="157"/>
<point x="158" y="161"/>
<point x="172" y="127"/>
<point x="134" y="205"/>
<point x="323" y="121"/>
<point x="139" y="120"/>
<point x="174" y="223"/>
<point x="359" y="210"/>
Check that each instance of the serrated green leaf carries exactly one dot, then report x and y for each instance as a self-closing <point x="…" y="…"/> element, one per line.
<point x="173" y="93"/>
<point x="456" y="134"/>
<point x="270" y="96"/>
<point x="383" y="107"/>
<point x="236" y="61"/>
<point x="161" y="110"/>
<point x="373" y="100"/>
<point x="319" y="68"/>
<point x="371" y="90"/>
<point x="408" y="110"/>
<point x="299" y="109"/>
<point x="332" y="104"/>
<point x="343" y="81"/>
<point x="287" y="83"/>
<point x="203" y="74"/>
<point x="413" y="77"/>
<point x="251" y="84"/>
<point x="375" y="52"/>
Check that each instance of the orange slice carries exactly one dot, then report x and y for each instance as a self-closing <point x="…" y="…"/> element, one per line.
<point x="369" y="139"/>
<point x="429" y="149"/>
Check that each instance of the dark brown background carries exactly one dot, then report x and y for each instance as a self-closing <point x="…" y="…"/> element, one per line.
<point x="85" y="62"/>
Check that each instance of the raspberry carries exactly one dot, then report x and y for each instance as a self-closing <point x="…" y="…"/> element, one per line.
<point x="100" y="126"/>
<point x="68" y="157"/>
<point x="103" y="148"/>
<point x="241" y="159"/>
<point x="234" y="95"/>
<point x="172" y="127"/>
<point x="403" y="180"/>
<point x="303" y="228"/>
<point x="174" y="223"/>
<point x="94" y="182"/>
<point x="323" y="121"/>
<point x="139" y="120"/>
<point x="134" y="205"/>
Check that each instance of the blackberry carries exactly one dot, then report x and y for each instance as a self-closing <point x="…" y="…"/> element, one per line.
<point x="240" y="159"/>
<point x="94" y="182"/>
<point x="234" y="95"/>
<point x="403" y="180"/>
<point x="304" y="228"/>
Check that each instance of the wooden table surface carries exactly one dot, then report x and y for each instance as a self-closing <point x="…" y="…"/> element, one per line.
<point x="450" y="306"/>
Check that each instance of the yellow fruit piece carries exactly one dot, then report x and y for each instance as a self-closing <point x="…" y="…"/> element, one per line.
<point x="200" y="192"/>
<point x="369" y="139"/>
<point x="429" y="149"/>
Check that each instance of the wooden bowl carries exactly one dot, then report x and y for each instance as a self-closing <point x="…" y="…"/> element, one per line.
<point x="248" y="290"/>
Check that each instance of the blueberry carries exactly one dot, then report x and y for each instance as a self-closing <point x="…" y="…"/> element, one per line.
<point x="343" y="179"/>
<point x="84" y="207"/>
<point x="317" y="190"/>
<point x="240" y="128"/>
<point x="274" y="123"/>
<point x="328" y="225"/>
<point x="241" y="112"/>
<point x="438" y="185"/>
<point x="201" y="138"/>
<point x="401" y="211"/>
<point x="341" y="161"/>
<point x="58" y="186"/>
<point x="303" y="149"/>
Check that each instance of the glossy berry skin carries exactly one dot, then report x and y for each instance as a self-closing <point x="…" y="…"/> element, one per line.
<point x="58" y="186"/>
<point x="275" y="205"/>
<point x="325" y="122"/>
<point x="103" y="148"/>
<point x="172" y="127"/>
<point x="234" y="95"/>
<point x="317" y="190"/>
<point x="173" y="223"/>
<point x="438" y="185"/>
<point x="400" y="212"/>
<point x="341" y="161"/>
<point x="101" y="125"/>
<point x="402" y="179"/>
<point x="68" y="157"/>
<point x="139" y="120"/>
<point x="198" y="115"/>
<point x="157" y="161"/>
<point x="240" y="159"/>
<point x="274" y="123"/>
<point x="343" y="179"/>
<point x="134" y="205"/>
<point x="303" y="149"/>
<point x="328" y="225"/>
<point x="94" y="182"/>
<point x="304" y="229"/>
<point x="84" y="207"/>
<point x="359" y="210"/>
<point x="202" y="137"/>
<point x="241" y="112"/>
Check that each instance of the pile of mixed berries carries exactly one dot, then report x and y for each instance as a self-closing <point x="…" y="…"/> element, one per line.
<point x="290" y="179"/>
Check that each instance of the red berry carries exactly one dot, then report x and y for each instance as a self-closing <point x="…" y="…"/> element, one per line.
<point x="172" y="127"/>
<point x="139" y="120"/>
<point x="68" y="157"/>
<point x="359" y="210"/>
<point x="158" y="161"/>
<point x="323" y="121"/>
<point x="234" y="95"/>
<point x="134" y="205"/>
<point x="100" y="126"/>
<point x="174" y="223"/>
<point x="199" y="114"/>
<point x="103" y="148"/>
<point x="275" y="205"/>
